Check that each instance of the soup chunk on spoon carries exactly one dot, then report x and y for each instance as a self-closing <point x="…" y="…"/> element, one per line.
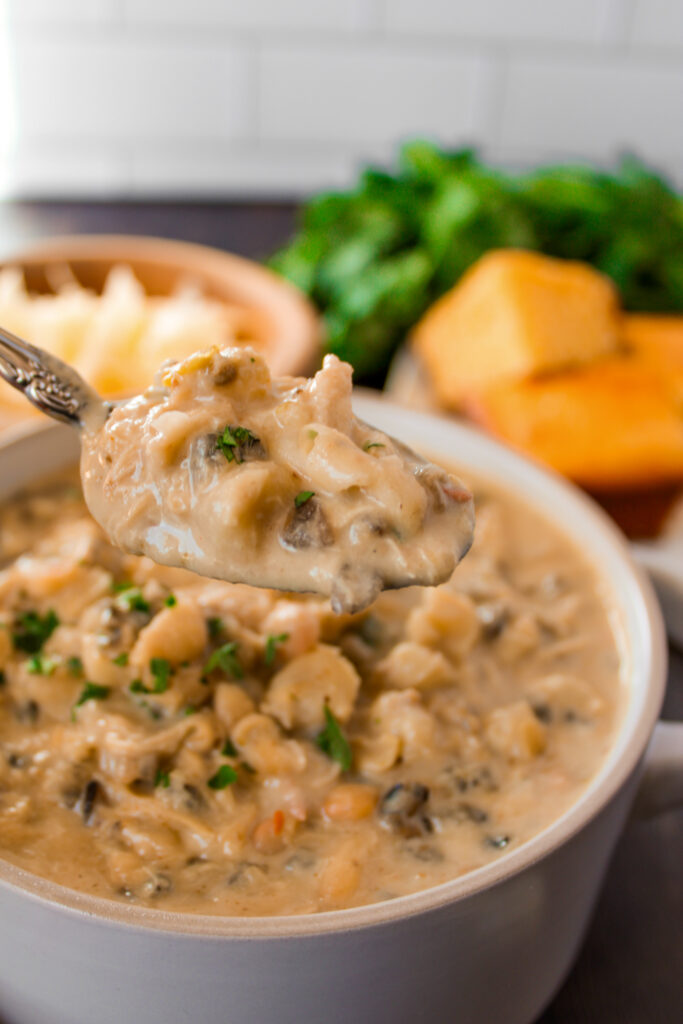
<point x="221" y="469"/>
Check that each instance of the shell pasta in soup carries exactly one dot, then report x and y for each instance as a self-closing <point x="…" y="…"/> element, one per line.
<point x="194" y="745"/>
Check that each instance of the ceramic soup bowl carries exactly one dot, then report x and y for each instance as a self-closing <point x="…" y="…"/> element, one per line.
<point x="492" y="945"/>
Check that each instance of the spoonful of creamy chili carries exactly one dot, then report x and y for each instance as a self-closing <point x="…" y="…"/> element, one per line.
<point x="223" y="470"/>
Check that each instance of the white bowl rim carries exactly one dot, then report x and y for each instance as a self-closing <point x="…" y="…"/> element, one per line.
<point x="620" y="763"/>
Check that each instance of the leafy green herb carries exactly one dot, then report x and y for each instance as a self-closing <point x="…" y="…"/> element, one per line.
<point x="215" y="627"/>
<point x="374" y="258"/>
<point x="92" y="691"/>
<point x="225" y="776"/>
<point x="162" y="779"/>
<point x="171" y="601"/>
<point x="372" y="444"/>
<point x="234" y="442"/>
<point x="302" y="497"/>
<point x="131" y="599"/>
<point x="161" y="673"/>
<point x="75" y="666"/>
<point x="333" y="742"/>
<point x="31" y="630"/>
<point x="117" y="588"/>
<point x="228" y="749"/>
<point x="189" y="709"/>
<point x="226" y="659"/>
<point x="272" y="643"/>
<point x="121" y="659"/>
<point x="41" y="665"/>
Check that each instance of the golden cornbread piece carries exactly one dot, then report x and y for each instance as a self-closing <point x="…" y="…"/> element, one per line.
<point x="657" y="340"/>
<point x="516" y="314"/>
<point x="610" y="426"/>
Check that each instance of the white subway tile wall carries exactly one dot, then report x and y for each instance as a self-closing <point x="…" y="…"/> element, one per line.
<point x="281" y="97"/>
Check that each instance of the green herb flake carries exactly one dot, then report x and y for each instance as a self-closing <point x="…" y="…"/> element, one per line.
<point x="121" y="659"/>
<point x="228" y="749"/>
<point x="92" y="691"/>
<point x="190" y="709"/>
<point x="302" y="497"/>
<point x="215" y="627"/>
<point x="225" y="658"/>
<point x="161" y="673"/>
<point x="333" y="742"/>
<point x="31" y="630"/>
<point x="74" y="666"/>
<point x="272" y="643"/>
<point x="171" y="601"/>
<point x="162" y="779"/>
<point x="41" y="665"/>
<point x="234" y="441"/>
<point x="131" y="599"/>
<point x="372" y="444"/>
<point x="137" y="686"/>
<point x="225" y="776"/>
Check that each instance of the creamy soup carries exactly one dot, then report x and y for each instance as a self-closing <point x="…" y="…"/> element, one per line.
<point x="193" y="745"/>
<point x="221" y="469"/>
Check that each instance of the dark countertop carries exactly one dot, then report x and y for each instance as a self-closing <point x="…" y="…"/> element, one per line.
<point x="630" y="970"/>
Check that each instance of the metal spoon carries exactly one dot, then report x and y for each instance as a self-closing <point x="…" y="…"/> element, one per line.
<point x="52" y="386"/>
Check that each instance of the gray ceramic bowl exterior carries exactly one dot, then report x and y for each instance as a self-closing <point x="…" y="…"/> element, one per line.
<point x="491" y="946"/>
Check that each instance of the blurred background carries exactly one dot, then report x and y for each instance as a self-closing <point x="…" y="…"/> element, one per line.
<point x="102" y="98"/>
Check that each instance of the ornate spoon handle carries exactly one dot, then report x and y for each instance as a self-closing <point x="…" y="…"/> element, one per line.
<point x="52" y="386"/>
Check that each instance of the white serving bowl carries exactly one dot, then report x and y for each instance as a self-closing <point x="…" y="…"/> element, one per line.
<point x="493" y="945"/>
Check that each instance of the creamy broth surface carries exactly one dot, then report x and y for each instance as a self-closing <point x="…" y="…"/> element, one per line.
<point x="221" y="469"/>
<point x="193" y="745"/>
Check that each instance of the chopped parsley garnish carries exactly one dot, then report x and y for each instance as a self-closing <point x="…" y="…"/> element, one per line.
<point x="226" y="659"/>
<point x="137" y="686"/>
<point x="302" y="497"/>
<point x="228" y="749"/>
<point x="234" y="441"/>
<point x="162" y="779"/>
<point x="272" y="643"/>
<point x="171" y="601"/>
<point x="372" y="444"/>
<point x="225" y="776"/>
<point x="41" y="665"/>
<point x="333" y="742"/>
<point x="161" y="673"/>
<point x="75" y="666"/>
<point x="497" y="842"/>
<point x="92" y="691"/>
<point x="215" y="626"/>
<point x="31" y="630"/>
<point x="121" y="659"/>
<point x="190" y="709"/>
<point x="131" y="599"/>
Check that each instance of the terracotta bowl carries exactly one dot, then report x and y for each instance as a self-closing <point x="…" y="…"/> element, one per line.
<point x="284" y="324"/>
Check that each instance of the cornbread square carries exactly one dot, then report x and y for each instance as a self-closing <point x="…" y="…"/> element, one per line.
<point x="516" y="314"/>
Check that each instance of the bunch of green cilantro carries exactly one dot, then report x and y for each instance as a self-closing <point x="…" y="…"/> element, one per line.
<point x="373" y="259"/>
